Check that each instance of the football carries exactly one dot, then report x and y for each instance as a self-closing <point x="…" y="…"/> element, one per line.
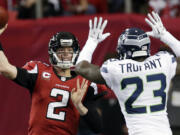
<point x="3" y="17"/>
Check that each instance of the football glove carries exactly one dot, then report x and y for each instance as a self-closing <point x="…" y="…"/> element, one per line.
<point x="154" y="21"/>
<point x="94" y="38"/>
<point x="159" y="31"/>
<point x="96" y="30"/>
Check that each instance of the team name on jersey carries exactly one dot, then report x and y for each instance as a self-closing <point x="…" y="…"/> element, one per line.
<point x="136" y="67"/>
<point x="62" y="86"/>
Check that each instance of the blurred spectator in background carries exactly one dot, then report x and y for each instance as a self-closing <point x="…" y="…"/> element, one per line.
<point x="157" y="5"/>
<point x="166" y="8"/>
<point x="116" y="5"/>
<point x="100" y="5"/>
<point x="136" y="6"/>
<point x="8" y="4"/>
<point x="27" y="8"/>
<point x="75" y="7"/>
<point x="140" y="6"/>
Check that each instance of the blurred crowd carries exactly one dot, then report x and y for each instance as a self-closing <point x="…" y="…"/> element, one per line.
<point x="26" y="9"/>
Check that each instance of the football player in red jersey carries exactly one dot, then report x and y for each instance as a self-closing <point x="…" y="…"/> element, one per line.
<point x="52" y="110"/>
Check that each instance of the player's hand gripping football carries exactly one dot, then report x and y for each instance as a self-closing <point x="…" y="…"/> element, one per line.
<point x="3" y="29"/>
<point x="96" y="30"/>
<point x="154" y="21"/>
<point x="77" y="96"/>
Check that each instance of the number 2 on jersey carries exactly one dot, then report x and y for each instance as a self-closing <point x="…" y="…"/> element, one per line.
<point x="139" y="83"/>
<point x="55" y="105"/>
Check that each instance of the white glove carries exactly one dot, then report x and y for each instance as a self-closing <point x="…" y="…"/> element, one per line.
<point x="158" y="30"/>
<point x="96" y="30"/>
<point x="94" y="38"/>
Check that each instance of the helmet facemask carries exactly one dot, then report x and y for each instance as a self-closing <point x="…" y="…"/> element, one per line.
<point x="60" y="40"/>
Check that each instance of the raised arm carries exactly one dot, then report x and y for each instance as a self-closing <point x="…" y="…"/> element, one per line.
<point x="6" y="69"/>
<point x="160" y="32"/>
<point x="83" y="67"/>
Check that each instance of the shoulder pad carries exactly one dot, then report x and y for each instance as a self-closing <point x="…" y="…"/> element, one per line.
<point x="30" y="65"/>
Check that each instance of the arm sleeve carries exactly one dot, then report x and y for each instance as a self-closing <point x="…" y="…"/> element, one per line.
<point x="26" y="79"/>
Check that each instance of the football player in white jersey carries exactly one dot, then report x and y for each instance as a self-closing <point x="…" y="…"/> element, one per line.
<point x="139" y="80"/>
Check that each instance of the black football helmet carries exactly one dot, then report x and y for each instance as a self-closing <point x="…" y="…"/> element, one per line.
<point x="63" y="39"/>
<point x="132" y="43"/>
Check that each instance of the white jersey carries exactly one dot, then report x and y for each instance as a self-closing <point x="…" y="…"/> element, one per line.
<point x="142" y="90"/>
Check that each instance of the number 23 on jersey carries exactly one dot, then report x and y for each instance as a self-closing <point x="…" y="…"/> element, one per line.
<point x="159" y="92"/>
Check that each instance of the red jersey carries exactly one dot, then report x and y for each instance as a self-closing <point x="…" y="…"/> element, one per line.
<point x="52" y="111"/>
